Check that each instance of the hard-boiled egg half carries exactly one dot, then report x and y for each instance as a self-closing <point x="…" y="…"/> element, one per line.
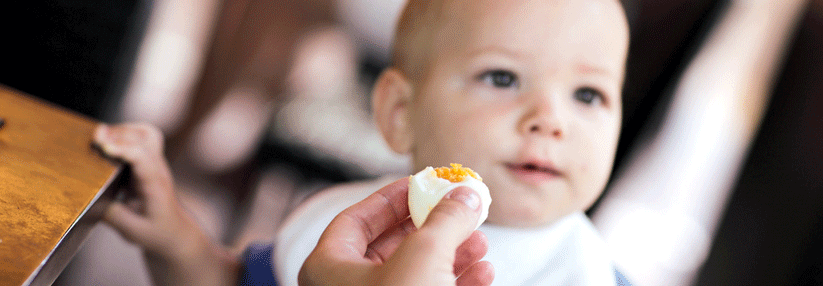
<point x="428" y="186"/>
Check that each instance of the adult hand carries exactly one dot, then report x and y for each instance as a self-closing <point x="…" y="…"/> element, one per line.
<point x="178" y="252"/>
<point x="374" y="242"/>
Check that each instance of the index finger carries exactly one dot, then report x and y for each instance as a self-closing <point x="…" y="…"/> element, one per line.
<point x="362" y="223"/>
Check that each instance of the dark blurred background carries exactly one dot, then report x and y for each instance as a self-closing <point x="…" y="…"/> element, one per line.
<point x="265" y="102"/>
<point x="77" y="54"/>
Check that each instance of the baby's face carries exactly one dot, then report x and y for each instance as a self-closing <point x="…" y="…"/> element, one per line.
<point x="528" y="94"/>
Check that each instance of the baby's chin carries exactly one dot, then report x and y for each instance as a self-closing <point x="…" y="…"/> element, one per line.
<point x="522" y="216"/>
<point x="523" y="206"/>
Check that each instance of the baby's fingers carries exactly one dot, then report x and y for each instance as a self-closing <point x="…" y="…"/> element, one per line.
<point x="133" y="143"/>
<point x="141" y="146"/>
<point x="129" y="224"/>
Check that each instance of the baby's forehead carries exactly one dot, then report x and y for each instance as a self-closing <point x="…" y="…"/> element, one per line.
<point x="516" y="23"/>
<point x="438" y="11"/>
<point x="427" y="26"/>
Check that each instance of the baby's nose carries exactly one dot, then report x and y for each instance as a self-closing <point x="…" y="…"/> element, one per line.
<point x="540" y="129"/>
<point x="543" y="119"/>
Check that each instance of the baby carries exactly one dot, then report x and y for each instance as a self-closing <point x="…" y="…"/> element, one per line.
<point x="525" y="92"/>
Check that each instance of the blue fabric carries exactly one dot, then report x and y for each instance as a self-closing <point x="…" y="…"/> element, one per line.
<point x="257" y="268"/>
<point x="621" y="279"/>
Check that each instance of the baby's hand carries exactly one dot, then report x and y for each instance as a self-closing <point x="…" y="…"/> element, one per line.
<point x="154" y="219"/>
<point x="177" y="249"/>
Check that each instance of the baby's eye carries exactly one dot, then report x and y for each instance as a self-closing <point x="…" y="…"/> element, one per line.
<point x="588" y="95"/>
<point x="499" y="78"/>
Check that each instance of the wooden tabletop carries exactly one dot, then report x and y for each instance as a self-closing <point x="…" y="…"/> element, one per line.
<point x="50" y="177"/>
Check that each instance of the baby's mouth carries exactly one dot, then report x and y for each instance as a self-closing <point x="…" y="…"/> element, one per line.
<point x="533" y="172"/>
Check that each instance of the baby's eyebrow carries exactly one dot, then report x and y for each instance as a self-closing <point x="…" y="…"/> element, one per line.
<point x="494" y="49"/>
<point x="590" y="69"/>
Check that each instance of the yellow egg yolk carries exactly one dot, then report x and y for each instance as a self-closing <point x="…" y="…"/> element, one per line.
<point x="457" y="173"/>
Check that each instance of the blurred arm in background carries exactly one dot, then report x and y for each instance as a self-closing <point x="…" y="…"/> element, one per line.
<point x="169" y="60"/>
<point x="244" y="76"/>
<point x="662" y="211"/>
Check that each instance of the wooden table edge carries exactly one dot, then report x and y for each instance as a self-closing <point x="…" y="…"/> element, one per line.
<point x="71" y="241"/>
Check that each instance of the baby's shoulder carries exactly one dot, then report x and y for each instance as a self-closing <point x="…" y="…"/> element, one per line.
<point x="299" y="233"/>
<point x="328" y="202"/>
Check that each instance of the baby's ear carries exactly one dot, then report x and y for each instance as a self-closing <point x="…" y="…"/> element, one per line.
<point x="391" y="97"/>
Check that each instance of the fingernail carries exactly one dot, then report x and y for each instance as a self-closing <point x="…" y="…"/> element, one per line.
<point x="102" y="132"/>
<point x="465" y="196"/>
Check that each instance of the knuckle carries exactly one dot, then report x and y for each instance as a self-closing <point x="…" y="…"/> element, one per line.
<point x="146" y="136"/>
<point x="151" y="132"/>
<point x="133" y="154"/>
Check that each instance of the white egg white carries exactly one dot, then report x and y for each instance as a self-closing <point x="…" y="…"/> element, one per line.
<point x="426" y="190"/>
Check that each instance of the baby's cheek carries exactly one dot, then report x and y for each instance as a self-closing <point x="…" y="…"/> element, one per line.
<point x="596" y="163"/>
<point x="589" y="180"/>
<point x="597" y="174"/>
<point x="584" y="168"/>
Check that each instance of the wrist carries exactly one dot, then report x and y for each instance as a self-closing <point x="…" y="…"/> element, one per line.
<point x="204" y="263"/>
<point x="193" y="259"/>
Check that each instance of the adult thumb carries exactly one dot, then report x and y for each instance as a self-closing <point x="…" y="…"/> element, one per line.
<point x="455" y="217"/>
